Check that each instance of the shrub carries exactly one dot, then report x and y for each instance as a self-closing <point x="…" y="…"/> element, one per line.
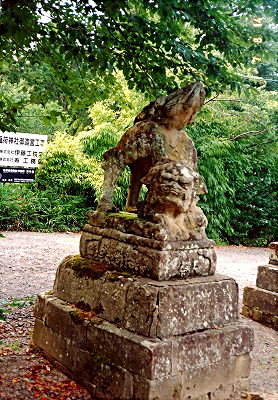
<point x="27" y="208"/>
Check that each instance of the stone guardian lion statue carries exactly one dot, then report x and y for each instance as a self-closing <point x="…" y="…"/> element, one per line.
<point x="157" y="134"/>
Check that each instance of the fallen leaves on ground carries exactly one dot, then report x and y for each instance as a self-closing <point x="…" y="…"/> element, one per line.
<point x="24" y="373"/>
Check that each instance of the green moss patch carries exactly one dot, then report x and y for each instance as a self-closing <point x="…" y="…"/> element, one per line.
<point x="123" y="214"/>
<point x="85" y="267"/>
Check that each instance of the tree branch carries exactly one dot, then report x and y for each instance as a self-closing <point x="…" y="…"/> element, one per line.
<point x="206" y="102"/>
<point x="249" y="133"/>
<point x="238" y="101"/>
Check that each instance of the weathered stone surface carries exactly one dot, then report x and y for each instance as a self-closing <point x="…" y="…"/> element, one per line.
<point x="267" y="277"/>
<point x="148" y="307"/>
<point x="195" y="351"/>
<point x="172" y="198"/>
<point x="260" y="316"/>
<point x="116" y="364"/>
<point x="149" y="358"/>
<point x="265" y="300"/>
<point x="141" y="308"/>
<point x="213" y="382"/>
<point x="76" y="285"/>
<point x="196" y="305"/>
<point x="273" y="256"/>
<point x="109" y="381"/>
<point x="145" y="256"/>
<point x="261" y="306"/>
<point x="157" y="133"/>
<point x="128" y="228"/>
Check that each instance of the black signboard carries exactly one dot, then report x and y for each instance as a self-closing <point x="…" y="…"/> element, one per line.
<point x="17" y="175"/>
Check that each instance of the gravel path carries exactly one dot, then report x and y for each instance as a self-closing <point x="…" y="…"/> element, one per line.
<point x="28" y="262"/>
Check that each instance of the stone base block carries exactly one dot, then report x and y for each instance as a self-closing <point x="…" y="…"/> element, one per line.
<point x="115" y="364"/>
<point x="145" y="306"/>
<point x="143" y="248"/>
<point x="267" y="277"/>
<point x="261" y="305"/>
<point x="273" y="256"/>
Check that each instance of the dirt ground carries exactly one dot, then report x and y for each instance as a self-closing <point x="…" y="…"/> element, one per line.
<point x="28" y="262"/>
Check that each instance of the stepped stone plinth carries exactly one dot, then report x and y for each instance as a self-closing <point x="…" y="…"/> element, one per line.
<point x="260" y="302"/>
<point x="127" y="336"/>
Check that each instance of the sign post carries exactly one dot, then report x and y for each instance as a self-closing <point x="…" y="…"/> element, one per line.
<point x="19" y="156"/>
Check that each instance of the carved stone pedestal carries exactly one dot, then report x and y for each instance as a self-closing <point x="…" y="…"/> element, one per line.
<point x="126" y="336"/>
<point x="127" y="243"/>
<point x="260" y="303"/>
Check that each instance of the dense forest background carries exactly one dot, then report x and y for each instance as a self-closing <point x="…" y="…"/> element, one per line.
<point x="84" y="89"/>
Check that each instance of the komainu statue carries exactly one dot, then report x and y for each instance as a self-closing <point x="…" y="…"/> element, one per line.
<point x="156" y="134"/>
<point x="172" y="200"/>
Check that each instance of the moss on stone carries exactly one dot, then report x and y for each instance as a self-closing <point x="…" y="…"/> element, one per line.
<point x="86" y="267"/>
<point x="123" y="214"/>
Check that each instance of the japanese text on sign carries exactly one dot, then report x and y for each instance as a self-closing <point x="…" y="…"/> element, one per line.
<point x="17" y="175"/>
<point x="21" y="149"/>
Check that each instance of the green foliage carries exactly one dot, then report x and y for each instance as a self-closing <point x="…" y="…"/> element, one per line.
<point x="45" y="120"/>
<point x="13" y="98"/>
<point x="111" y="118"/>
<point x="18" y="107"/>
<point x="237" y="147"/>
<point x="16" y="303"/>
<point x="3" y="317"/>
<point x="21" y="302"/>
<point x="67" y="170"/>
<point x="156" y="44"/>
<point x="27" y="208"/>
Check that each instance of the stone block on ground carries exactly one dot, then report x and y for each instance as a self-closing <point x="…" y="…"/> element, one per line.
<point x="267" y="277"/>
<point x="145" y="306"/>
<point x="114" y="363"/>
<point x="261" y="305"/>
<point x="273" y="256"/>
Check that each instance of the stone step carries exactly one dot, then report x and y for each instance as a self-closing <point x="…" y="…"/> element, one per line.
<point x="115" y="363"/>
<point x="148" y="307"/>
